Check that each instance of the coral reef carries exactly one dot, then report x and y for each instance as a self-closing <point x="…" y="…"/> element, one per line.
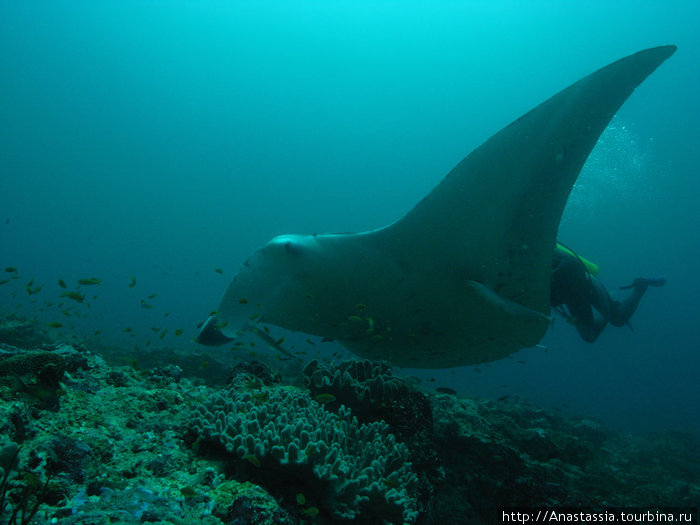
<point x="99" y="444"/>
<point x="20" y="332"/>
<point x="369" y="387"/>
<point x="230" y="500"/>
<point x="373" y="393"/>
<point x="361" y="468"/>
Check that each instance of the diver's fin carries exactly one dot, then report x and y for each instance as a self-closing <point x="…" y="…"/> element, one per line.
<point x="641" y="281"/>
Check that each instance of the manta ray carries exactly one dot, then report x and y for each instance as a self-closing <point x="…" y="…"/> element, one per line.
<point x="464" y="276"/>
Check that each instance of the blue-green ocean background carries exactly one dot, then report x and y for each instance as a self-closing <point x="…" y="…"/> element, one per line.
<point x="163" y="140"/>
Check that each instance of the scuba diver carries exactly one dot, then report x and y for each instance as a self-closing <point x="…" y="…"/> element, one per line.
<point x="576" y="291"/>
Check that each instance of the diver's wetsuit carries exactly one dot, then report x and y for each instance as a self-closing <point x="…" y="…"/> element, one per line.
<point x="575" y="287"/>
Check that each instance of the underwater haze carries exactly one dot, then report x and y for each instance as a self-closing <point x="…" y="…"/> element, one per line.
<point x="155" y="145"/>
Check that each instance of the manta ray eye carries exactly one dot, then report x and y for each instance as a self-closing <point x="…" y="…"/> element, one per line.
<point x="292" y="248"/>
<point x="287" y="246"/>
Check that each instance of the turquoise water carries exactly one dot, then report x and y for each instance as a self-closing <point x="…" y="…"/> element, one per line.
<point x="163" y="140"/>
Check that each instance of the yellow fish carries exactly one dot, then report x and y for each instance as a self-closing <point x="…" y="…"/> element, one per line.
<point x="76" y="296"/>
<point x="325" y="398"/>
<point x="90" y="281"/>
<point x="253" y="459"/>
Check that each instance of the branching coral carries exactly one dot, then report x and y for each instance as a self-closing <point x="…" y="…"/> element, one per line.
<point x="367" y="386"/>
<point x="362" y="467"/>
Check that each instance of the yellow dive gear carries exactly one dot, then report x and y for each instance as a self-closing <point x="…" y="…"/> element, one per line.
<point x="591" y="267"/>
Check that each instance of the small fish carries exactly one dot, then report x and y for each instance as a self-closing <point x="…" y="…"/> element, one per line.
<point x="213" y="313"/>
<point x="254" y="317"/>
<point x="325" y="398"/>
<point x="30" y="290"/>
<point x="252" y="459"/>
<point x="301" y="499"/>
<point x="128" y="330"/>
<point x="76" y="296"/>
<point x="38" y="395"/>
<point x="162" y="334"/>
<point x="355" y="318"/>
<point x="178" y="331"/>
<point x="392" y="484"/>
<point x="91" y="281"/>
<point x="200" y="325"/>
<point x="153" y="296"/>
<point x="262" y="396"/>
<point x="218" y="270"/>
<point x="446" y="390"/>
<point x="146" y="305"/>
<point x="66" y="313"/>
<point x="279" y="341"/>
<point x="188" y="491"/>
<point x="155" y="329"/>
<point x="5" y="281"/>
<point x="242" y="300"/>
<point x="361" y="307"/>
<point x="54" y="325"/>
<point x="62" y="283"/>
<point x="253" y="384"/>
<point x="132" y="282"/>
<point x="11" y="269"/>
<point x="311" y="512"/>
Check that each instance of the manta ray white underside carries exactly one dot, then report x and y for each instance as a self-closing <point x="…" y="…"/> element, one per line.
<point x="464" y="277"/>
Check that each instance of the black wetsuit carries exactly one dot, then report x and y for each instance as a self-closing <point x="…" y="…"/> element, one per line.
<point x="574" y="287"/>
